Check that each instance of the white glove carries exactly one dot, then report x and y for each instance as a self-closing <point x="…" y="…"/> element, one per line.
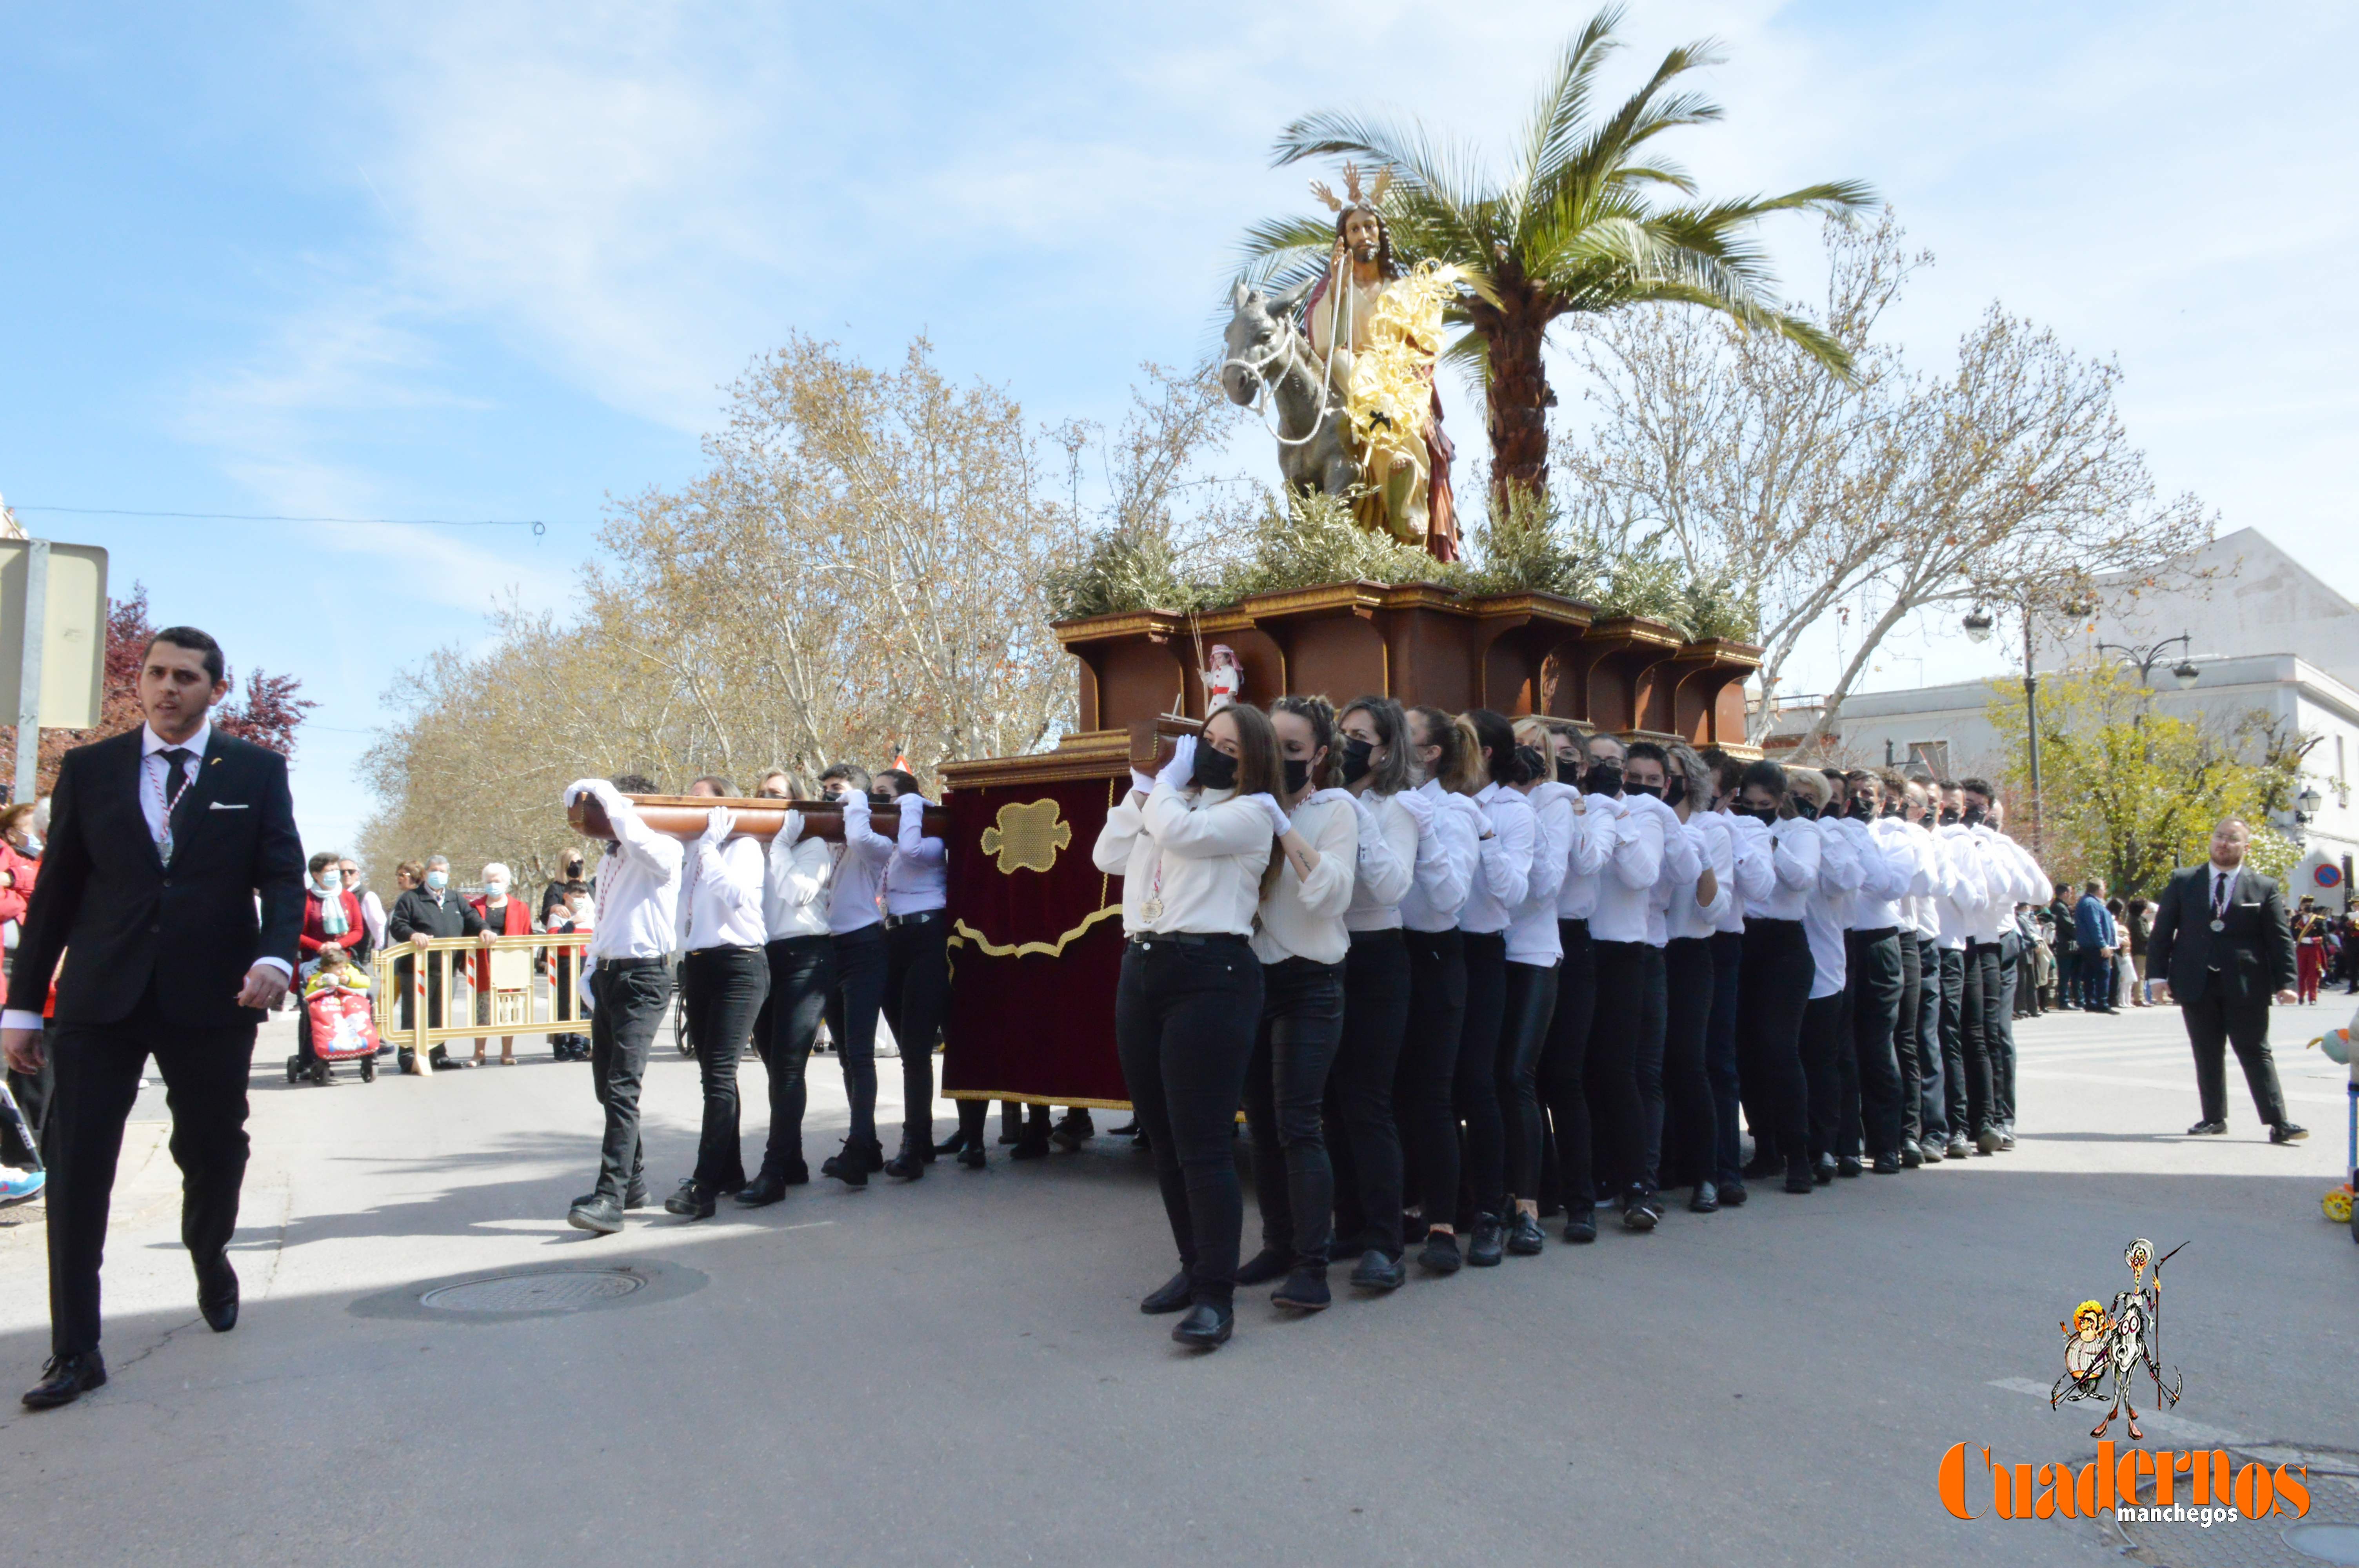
<point x="1279" y="822"/>
<point x="912" y="805"/>
<point x="1143" y="783"/>
<point x="581" y="787"/>
<point x="854" y="804"/>
<point x="790" y="830"/>
<point x="1181" y="768"/>
<point x="582" y="985"/>
<point x="1419" y="807"/>
<point x="719" y="823"/>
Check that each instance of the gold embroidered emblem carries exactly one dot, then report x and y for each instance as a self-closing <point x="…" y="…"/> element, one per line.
<point x="1027" y="836"/>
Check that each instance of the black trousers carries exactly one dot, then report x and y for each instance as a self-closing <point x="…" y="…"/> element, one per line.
<point x="1952" y="1087"/>
<point x="1474" y="1088"/>
<point x="917" y="997"/>
<point x="1564" y="1066"/>
<point x="1184" y="1020"/>
<point x="721" y="990"/>
<point x="1874" y="975"/>
<point x="1979" y="999"/>
<point x="802" y="976"/>
<point x="628" y="1005"/>
<point x="1286" y="1098"/>
<point x="1826" y="1045"/>
<point x="1424" y="1087"/>
<point x="1775" y="984"/>
<point x="1904" y="1034"/>
<point x="861" y="971"/>
<point x="1687" y="1127"/>
<point x="1363" y="1142"/>
<point x="98" y="1068"/>
<point x="1924" y="1091"/>
<point x="1625" y="1062"/>
<point x="1720" y="1055"/>
<point x="1523" y="1032"/>
<point x="2002" y="1032"/>
<point x="2213" y="1025"/>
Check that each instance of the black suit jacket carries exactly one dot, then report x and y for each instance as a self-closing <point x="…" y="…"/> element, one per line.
<point x="2244" y="964"/>
<point x="107" y="902"/>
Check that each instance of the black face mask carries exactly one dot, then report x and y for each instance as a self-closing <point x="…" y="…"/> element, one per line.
<point x="1860" y="810"/>
<point x="1298" y="774"/>
<point x="1603" y="778"/>
<point x="1949" y="816"/>
<point x="1530" y="764"/>
<point x="1805" y="809"/>
<point x="1358" y="758"/>
<point x="1893" y="808"/>
<point x="879" y="802"/>
<point x="1764" y="814"/>
<point x="1975" y="816"/>
<point x="1652" y="792"/>
<point x="1676" y="791"/>
<point x="1215" y="770"/>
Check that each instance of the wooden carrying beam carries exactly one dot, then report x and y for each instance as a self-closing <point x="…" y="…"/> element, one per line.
<point x="683" y="817"/>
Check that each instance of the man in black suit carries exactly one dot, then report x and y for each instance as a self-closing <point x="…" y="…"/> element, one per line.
<point x="160" y="841"/>
<point x="2221" y="938"/>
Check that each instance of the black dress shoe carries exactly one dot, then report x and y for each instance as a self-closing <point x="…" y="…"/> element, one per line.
<point x="67" y="1378"/>
<point x="691" y="1200"/>
<point x="905" y="1167"/>
<point x="1732" y="1194"/>
<point x="599" y="1216"/>
<point x="1440" y="1253"/>
<point x="2286" y="1132"/>
<point x="1705" y="1200"/>
<point x="1849" y="1166"/>
<point x="972" y="1157"/>
<point x="1128" y="1130"/>
<point x="1799" y="1179"/>
<point x="1030" y="1147"/>
<point x="217" y="1295"/>
<point x="852" y="1164"/>
<point x="1580" y="1226"/>
<point x="2207" y="1130"/>
<point x="1175" y="1294"/>
<point x="762" y="1190"/>
<point x="1305" y="1291"/>
<point x="1762" y="1167"/>
<point x="1822" y="1170"/>
<point x="1888" y="1164"/>
<point x="1911" y="1155"/>
<point x="1379" y="1270"/>
<point x="1524" y="1238"/>
<point x="1207" y="1326"/>
<point x="1489" y="1244"/>
<point x="954" y="1144"/>
<point x="1263" y="1267"/>
<point x="1073" y="1130"/>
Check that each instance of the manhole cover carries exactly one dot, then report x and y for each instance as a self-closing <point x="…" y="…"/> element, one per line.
<point x="2327" y="1542"/>
<point x="569" y="1290"/>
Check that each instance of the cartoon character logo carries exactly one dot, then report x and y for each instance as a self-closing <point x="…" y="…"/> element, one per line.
<point x="2101" y="1344"/>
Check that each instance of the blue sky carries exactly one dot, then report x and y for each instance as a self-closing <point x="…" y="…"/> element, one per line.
<point x="488" y="261"/>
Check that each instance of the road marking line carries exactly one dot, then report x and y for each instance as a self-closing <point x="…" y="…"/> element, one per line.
<point x="2169" y="1425"/>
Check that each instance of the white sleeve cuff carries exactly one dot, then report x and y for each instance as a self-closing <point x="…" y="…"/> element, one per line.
<point x="281" y="965"/>
<point x="12" y="1019"/>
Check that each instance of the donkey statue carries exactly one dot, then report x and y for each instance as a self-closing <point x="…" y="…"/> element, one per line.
<point x="1265" y="349"/>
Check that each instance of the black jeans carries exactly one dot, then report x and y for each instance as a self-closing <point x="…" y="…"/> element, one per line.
<point x="1952" y="1087"/>
<point x="861" y="968"/>
<point x="1933" y="1117"/>
<point x="722" y="989"/>
<point x="1774" y="985"/>
<point x="1978" y="998"/>
<point x="1523" y="1030"/>
<point x="1691" y="1119"/>
<point x="1564" y="1065"/>
<point x="2001" y="1036"/>
<point x="1363" y="1139"/>
<point x="802" y="976"/>
<point x="1720" y="1053"/>
<point x="98" y="1067"/>
<point x="1629" y="982"/>
<point x="1826" y="1045"/>
<point x="916" y="995"/>
<point x="1871" y="966"/>
<point x="1423" y="1099"/>
<point x="1286" y="1096"/>
<point x="1475" y="1087"/>
<point x="2213" y="1025"/>
<point x="1184" y="1020"/>
<point x="1904" y="1035"/>
<point x="627" y="1005"/>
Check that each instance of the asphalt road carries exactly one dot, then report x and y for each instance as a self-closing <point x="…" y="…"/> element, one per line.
<point x="955" y="1371"/>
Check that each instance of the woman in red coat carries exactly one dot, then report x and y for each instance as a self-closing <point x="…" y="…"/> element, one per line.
<point x="503" y="914"/>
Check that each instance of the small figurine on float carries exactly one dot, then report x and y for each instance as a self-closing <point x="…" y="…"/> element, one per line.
<point x="1225" y="682"/>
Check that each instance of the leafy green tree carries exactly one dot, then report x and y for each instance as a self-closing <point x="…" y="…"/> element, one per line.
<point x="1576" y="226"/>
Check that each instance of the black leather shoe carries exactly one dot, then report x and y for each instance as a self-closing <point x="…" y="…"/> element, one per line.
<point x="1263" y="1267"/>
<point x="972" y="1157"/>
<point x="905" y="1167"/>
<point x="1440" y="1253"/>
<point x="1732" y="1194"/>
<point x="1030" y="1147"/>
<point x="1580" y="1226"/>
<point x="762" y="1190"/>
<point x="1705" y="1200"/>
<point x="1489" y="1244"/>
<point x="1128" y="1130"/>
<point x="1799" y="1179"/>
<point x="1888" y="1164"/>
<point x="1762" y="1166"/>
<point x="1911" y="1154"/>
<point x="1206" y="1326"/>
<point x="1524" y="1238"/>
<point x="1073" y="1130"/>
<point x="956" y="1144"/>
<point x="691" y="1200"/>
<point x="599" y="1216"/>
<point x="1305" y="1291"/>
<point x="1849" y="1166"/>
<point x="217" y="1295"/>
<point x="1175" y="1294"/>
<point x="1641" y="1210"/>
<point x="1379" y="1270"/>
<point x="852" y="1164"/>
<point x="67" y="1378"/>
<point x="2207" y="1130"/>
<point x="2286" y="1132"/>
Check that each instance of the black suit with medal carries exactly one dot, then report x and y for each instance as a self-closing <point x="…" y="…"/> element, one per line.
<point x="2223" y="979"/>
<point x="155" y="954"/>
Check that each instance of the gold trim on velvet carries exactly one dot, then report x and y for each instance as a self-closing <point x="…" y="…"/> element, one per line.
<point x="961" y="933"/>
<point x="1027" y="837"/>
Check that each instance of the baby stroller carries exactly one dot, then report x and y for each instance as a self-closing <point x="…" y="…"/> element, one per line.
<point x="343" y="1027"/>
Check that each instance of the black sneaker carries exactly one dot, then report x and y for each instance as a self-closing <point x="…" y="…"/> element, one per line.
<point x="599" y="1216"/>
<point x="1073" y="1130"/>
<point x="1489" y="1244"/>
<point x="1305" y="1291"/>
<point x="1799" y="1179"/>
<point x="1911" y="1155"/>
<point x="1380" y="1271"/>
<point x="1440" y="1253"/>
<point x="1524" y="1238"/>
<point x="1580" y="1226"/>
<point x="1641" y="1211"/>
<point x="1822" y="1170"/>
<point x="1263" y="1267"/>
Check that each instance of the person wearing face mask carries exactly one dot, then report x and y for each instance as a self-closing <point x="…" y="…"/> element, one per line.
<point x="918" y="969"/>
<point x="1449" y="831"/>
<point x="561" y="886"/>
<point x="1188" y="1004"/>
<point x="1826" y="1045"/>
<point x="567" y="916"/>
<point x="1503" y="874"/>
<point x="857" y="928"/>
<point x="1897" y="828"/>
<point x="2013" y="878"/>
<point x="1300" y="940"/>
<point x="801" y="956"/>
<point x="723" y="978"/>
<point x="1755" y="875"/>
<point x="425" y="912"/>
<point x="1698" y="885"/>
<point x="501" y="915"/>
<point x="1955" y="909"/>
<point x="1872" y="1085"/>
<point x="332" y="918"/>
<point x="1363" y="1138"/>
<point x="1775" y="981"/>
<point x="1535" y="951"/>
<point x="1625" y="1036"/>
<point x="1569" y="1178"/>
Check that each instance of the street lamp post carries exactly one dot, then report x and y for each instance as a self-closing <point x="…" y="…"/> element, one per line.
<point x="1978" y="623"/>
<point x="2143" y="659"/>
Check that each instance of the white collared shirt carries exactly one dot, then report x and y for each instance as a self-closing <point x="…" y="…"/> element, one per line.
<point x="1388" y="865"/>
<point x="859" y="874"/>
<point x="1503" y="866"/>
<point x="1211" y="848"/>
<point x="1827" y="913"/>
<point x="1682" y="868"/>
<point x="1626" y="886"/>
<point x="1756" y="868"/>
<point x="1532" y="936"/>
<point x="1794" y="859"/>
<point x="1715" y="849"/>
<point x="720" y="902"/>
<point x="795" y="879"/>
<point x="154" y="769"/>
<point x="1956" y="911"/>
<point x="917" y="877"/>
<point x="1593" y="837"/>
<point x="1124" y="850"/>
<point x="1447" y="860"/>
<point x="1888" y="866"/>
<point x="2222" y="889"/>
<point x="1303" y="916"/>
<point x="635" y="891"/>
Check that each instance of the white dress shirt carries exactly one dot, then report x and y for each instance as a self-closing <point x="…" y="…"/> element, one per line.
<point x="2006" y="884"/>
<point x="1887" y="866"/>
<point x="1627" y="884"/>
<point x="1956" y="911"/>
<point x="1682" y="868"/>
<point x="860" y="861"/>
<point x="794" y="883"/>
<point x="1124" y="850"/>
<point x="721" y="895"/>
<point x="1303" y="916"/>
<point x="1794" y="858"/>
<point x="1532" y="936"/>
<point x="1827" y="913"/>
<point x="1714" y="849"/>
<point x="1211" y="848"/>
<point x="1447" y="858"/>
<point x="635" y="891"/>
<point x="1388" y="864"/>
<point x="1756" y="868"/>
<point x="917" y="878"/>
<point x="1502" y="868"/>
<point x="1593" y="837"/>
<point x="373" y="917"/>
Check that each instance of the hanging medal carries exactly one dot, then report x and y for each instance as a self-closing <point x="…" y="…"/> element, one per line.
<point x="1152" y="910"/>
<point x="170" y="805"/>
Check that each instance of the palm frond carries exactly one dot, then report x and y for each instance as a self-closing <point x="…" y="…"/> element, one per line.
<point x="1563" y="105"/>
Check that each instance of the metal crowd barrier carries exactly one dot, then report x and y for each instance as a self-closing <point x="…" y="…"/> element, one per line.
<point x="447" y="964"/>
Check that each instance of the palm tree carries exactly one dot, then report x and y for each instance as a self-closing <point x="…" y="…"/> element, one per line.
<point x="1574" y="229"/>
